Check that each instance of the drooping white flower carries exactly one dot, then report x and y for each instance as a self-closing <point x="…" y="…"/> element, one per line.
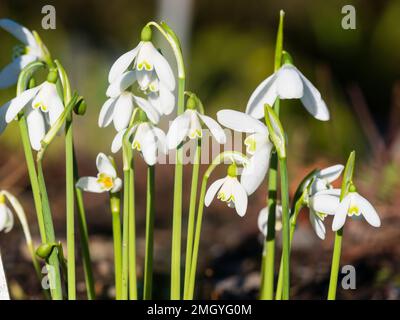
<point x="24" y="54"/>
<point x="353" y="205"/>
<point x="106" y="180"/>
<point x="257" y="144"/>
<point x="121" y="103"/>
<point x="287" y="83"/>
<point x="6" y="216"/>
<point x="322" y="182"/>
<point x="42" y="106"/>
<point x="146" y="138"/>
<point x="189" y="124"/>
<point x="152" y="73"/>
<point x="229" y="190"/>
<point x="262" y="220"/>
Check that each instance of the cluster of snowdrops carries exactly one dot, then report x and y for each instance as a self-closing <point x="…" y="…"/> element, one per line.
<point x="142" y="90"/>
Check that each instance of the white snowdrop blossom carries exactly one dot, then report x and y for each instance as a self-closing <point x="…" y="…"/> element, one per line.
<point x="262" y="220"/>
<point x="106" y="180"/>
<point x="121" y="103"/>
<point x="229" y="190"/>
<point x="146" y="138"/>
<point x="152" y="73"/>
<point x="322" y="181"/>
<point x="42" y="106"/>
<point x="23" y="54"/>
<point x="189" y="124"/>
<point x="287" y="83"/>
<point x="257" y="144"/>
<point x="6" y="215"/>
<point x="353" y="205"/>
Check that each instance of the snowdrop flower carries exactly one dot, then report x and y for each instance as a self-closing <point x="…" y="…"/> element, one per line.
<point x="262" y="220"/>
<point x="23" y="54"/>
<point x="287" y="83"/>
<point x="353" y="205"/>
<point x="42" y="106"/>
<point x="229" y="190"/>
<point x="152" y="72"/>
<point x="6" y="215"/>
<point x="121" y="103"/>
<point x="106" y="180"/>
<point x="145" y="138"/>
<point x="257" y="144"/>
<point x="322" y="182"/>
<point x="189" y="124"/>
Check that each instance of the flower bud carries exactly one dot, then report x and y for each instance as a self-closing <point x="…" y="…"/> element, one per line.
<point x="80" y="107"/>
<point x="44" y="250"/>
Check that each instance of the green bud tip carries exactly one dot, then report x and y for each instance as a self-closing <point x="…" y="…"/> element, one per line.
<point x="191" y="103"/>
<point x="80" y="107"/>
<point x="352" y="188"/>
<point x="52" y="76"/>
<point x="232" y="170"/>
<point x="146" y="34"/>
<point x="45" y="250"/>
<point x="286" y="58"/>
<point x="142" y="116"/>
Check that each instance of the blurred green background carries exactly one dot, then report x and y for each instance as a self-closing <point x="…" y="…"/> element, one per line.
<point x="229" y="48"/>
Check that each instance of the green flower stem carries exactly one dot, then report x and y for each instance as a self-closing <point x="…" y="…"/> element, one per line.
<point x="268" y="257"/>
<point x="285" y="228"/>
<point x="133" y="295"/>
<point x="125" y="224"/>
<point x="337" y="248"/>
<point x="293" y="222"/>
<point x="115" y="200"/>
<point x="192" y="213"/>
<point x="148" y="265"/>
<point x="55" y="286"/>
<point x="84" y="237"/>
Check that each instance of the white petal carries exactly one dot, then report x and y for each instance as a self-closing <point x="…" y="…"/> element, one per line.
<point x="9" y="74"/>
<point x="368" y="211"/>
<point x="36" y="127"/>
<point x="241" y="122"/>
<point x="104" y="165"/>
<point x="151" y="113"/>
<point x="254" y="172"/>
<point x="262" y="221"/>
<point x="123" y="111"/>
<point x="18" y="31"/>
<point x="117" y="185"/>
<point x="117" y="141"/>
<point x="214" y="127"/>
<point x="312" y="100"/>
<point x="106" y="113"/>
<point x="122" y="63"/>
<point x="288" y="83"/>
<point x="341" y="213"/>
<point x="120" y="84"/>
<point x="331" y="173"/>
<point x="89" y="184"/>
<point x="149" y="147"/>
<point x="318" y="225"/>
<point x="265" y="93"/>
<point x="167" y="99"/>
<point x="212" y="191"/>
<point x="10" y="221"/>
<point x="240" y="198"/>
<point x="161" y="140"/>
<point x="163" y="69"/>
<point x="19" y="102"/>
<point x="3" y="111"/>
<point x="56" y="106"/>
<point x="178" y="130"/>
<point x="325" y="203"/>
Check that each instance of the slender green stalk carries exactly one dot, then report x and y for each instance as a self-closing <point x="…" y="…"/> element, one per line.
<point x="177" y="209"/>
<point x="133" y="295"/>
<point x="116" y="224"/>
<point x="337" y="249"/>
<point x="84" y="237"/>
<point x="191" y="218"/>
<point x="268" y="257"/>
<point x="55" y="286"/>
<point x="285" y="228"/>
<point x="148" y="264"/>
<point x="125" y="224"/>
